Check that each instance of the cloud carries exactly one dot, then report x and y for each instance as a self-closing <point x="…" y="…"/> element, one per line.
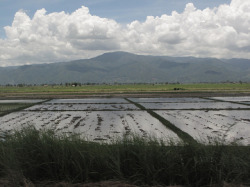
<point x="221" y="32"/>
<point x="58" y="37"/>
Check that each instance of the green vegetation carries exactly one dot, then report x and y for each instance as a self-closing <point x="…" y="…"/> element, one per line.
<point x="126" y="88"/>
<point x="11" y="107"/>
<point x="43" y="155"/>
<point x="6" y="108"/>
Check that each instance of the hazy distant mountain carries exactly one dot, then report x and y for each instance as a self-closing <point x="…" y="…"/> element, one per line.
<point x="125" y="67"/>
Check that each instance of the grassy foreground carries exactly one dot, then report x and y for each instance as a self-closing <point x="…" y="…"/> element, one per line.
<point x="43" y="155"/>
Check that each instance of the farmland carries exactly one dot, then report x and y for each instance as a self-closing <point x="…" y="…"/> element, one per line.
<point x="130" y="137"/>
<point x="205" y="119"/>
<point x="60" y="91"/>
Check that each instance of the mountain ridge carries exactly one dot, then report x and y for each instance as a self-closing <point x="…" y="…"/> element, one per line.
<point x="124" y="67"/>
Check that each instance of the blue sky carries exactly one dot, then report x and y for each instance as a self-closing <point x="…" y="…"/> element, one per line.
<point x="46" y="31"/>
<point x="119" y="10"/>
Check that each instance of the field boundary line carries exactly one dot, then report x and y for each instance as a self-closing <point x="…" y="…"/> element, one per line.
<point x="234" y="102"/>
<point x="181" y="134"/>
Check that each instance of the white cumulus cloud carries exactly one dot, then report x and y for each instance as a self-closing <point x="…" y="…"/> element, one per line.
<point x="222" y="32"/>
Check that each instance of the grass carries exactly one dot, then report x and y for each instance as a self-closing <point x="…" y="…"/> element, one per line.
<point x="43" y="155"/>
<point x="6" y="108"/>
<point x="128" y="88"/>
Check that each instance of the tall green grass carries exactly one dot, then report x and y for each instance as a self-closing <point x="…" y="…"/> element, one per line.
<point x="43" y="155"/>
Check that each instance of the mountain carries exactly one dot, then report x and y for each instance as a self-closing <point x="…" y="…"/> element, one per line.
<point x="125" y="67"/>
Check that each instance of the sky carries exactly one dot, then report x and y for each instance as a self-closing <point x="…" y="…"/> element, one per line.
<point x="45" y="31"/>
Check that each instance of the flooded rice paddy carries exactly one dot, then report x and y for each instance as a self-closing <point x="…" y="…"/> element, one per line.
<point x="105" y="119"/>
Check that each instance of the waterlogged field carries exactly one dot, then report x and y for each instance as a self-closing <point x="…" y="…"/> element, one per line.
<point x="106" y="119"/>
<point x="21" y="101"/>
<point x="92" y="125"/>
<point x="207" y="126"/>
<point x="170" y="100"/>
<point x="91" y="101"/>
<point x="82" y="107"/>
<point x="235" y="99"/>
<point x="184" y="106"/>
<point x="243" y="100"/>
